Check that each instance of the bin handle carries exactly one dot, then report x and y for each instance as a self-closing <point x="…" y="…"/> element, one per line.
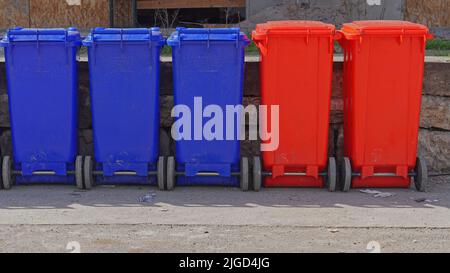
<point x="261" y="47"/>
<point x="8" y="39"/>
<point x="150" y="36"/>
<point x="426" y="37"/>
<point x="347" y="36"/>
<point x="66" y="35"/>
<point x="37" y="38"/>
<point x="260" y="41"/>
<point x="121" y="38"/>
<point x="336" y="37"/>
<point x="342" y="37"/>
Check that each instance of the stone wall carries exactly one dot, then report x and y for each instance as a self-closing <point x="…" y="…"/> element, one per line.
<point x="435" y="117"/>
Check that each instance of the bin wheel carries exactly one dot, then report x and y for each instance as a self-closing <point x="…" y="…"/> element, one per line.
<point x="7" y="176"/>
<point x="421" y="178"/>
<point x="79" y="172"/>
<point x="88" y="172"/>
<point x="170" y="173"/>
<point x="257" y="173"/>
<point x="331" y="174"/>
<point x="244" y="174"/>
<point x="161" y="174"/>
<point x="346" y="174"/>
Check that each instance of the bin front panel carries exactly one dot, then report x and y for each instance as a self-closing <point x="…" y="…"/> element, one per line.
<point x="296" y="74"/>
<point x="215" y="75"/>
<point x="42" y="89"/>
<point x="124" y="79"/>
<point x="383" y="88"/>
<point x="383" y="95"/>
<point x="212" y="71"/>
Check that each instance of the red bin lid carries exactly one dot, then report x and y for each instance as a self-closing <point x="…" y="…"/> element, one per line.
<point x="295" y="27"/>
<point x="383" y="27"/>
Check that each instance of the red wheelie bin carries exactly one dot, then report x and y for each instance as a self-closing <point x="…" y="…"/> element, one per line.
<point x="383" y="72"/>
<point x="296" y="75"/>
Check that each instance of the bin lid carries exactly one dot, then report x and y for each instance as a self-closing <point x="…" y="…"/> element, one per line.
<point x="99" y="35"/>
<point x="384" y="27"/>
<point x="20" y="34"/>
<point x="295" y="27"/>
<point x="207" y="34"/>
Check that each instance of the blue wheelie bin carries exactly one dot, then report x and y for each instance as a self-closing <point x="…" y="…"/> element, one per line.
<point x="208" y="69"/>
<point x="124" y="90"/>
<point x="41" y="73"/>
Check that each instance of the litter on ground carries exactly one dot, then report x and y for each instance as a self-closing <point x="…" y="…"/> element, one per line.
<point x="148" y="198"/>
<point x="378" y="194"/>
<point x="425" y="200"/>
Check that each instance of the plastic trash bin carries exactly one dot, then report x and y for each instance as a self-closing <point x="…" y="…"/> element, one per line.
<point x="41" y="73"/>
<point x="296" y="74"/>
<point x="124" y="82"/>
<point x="383" y="72"/>
<point x="208" y="64"/>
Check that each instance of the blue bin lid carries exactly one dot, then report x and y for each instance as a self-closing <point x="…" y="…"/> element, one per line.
<point x="207" y="34"/>
<point x="19" y="34"/>
<point x="99" y="35"/>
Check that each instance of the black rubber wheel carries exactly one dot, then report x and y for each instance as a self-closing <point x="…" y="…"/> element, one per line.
<point x="164" y="143"/>
<point x="244" y="174"/>
<point x="346" y="174"/>
<point x="161" y="174"/>
<point x="88" y="172"/>
<point x="421" y="178"/>
<point x="79" y="172"/>
<point x="331" y="175"/>
<point x="257" y="173"/>
<point x="7" y="176"/>
<point x="170" y="183"/>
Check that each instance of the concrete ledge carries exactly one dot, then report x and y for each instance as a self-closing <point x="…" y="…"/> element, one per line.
<point x="256" y="59"/>
<point x="435" y="117"/>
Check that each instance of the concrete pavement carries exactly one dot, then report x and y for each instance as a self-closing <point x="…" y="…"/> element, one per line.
<point x="46" y="218"/>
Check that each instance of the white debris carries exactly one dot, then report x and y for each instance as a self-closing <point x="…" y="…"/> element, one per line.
<point x="148" y="198"/>
<point x="425" y="200"/>
<point x="384" y="194"/>
<point x="378" y="194"/>
<point x="370" y="191"/>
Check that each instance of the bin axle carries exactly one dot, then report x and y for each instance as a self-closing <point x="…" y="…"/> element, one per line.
<point x="207" y="174"/>
<point x="41" y="173"/>
<point x="292" y="174"/>
<point x="411" y="174"/>
<point x="121" y="173"/>
<point x="124" y="173"/>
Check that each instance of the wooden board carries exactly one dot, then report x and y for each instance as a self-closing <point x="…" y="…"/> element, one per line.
<point x="179" y="4"/>
<point x="123" y="13"/>
<point x="14" y="13"/>
<point x="58" y="13"/>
